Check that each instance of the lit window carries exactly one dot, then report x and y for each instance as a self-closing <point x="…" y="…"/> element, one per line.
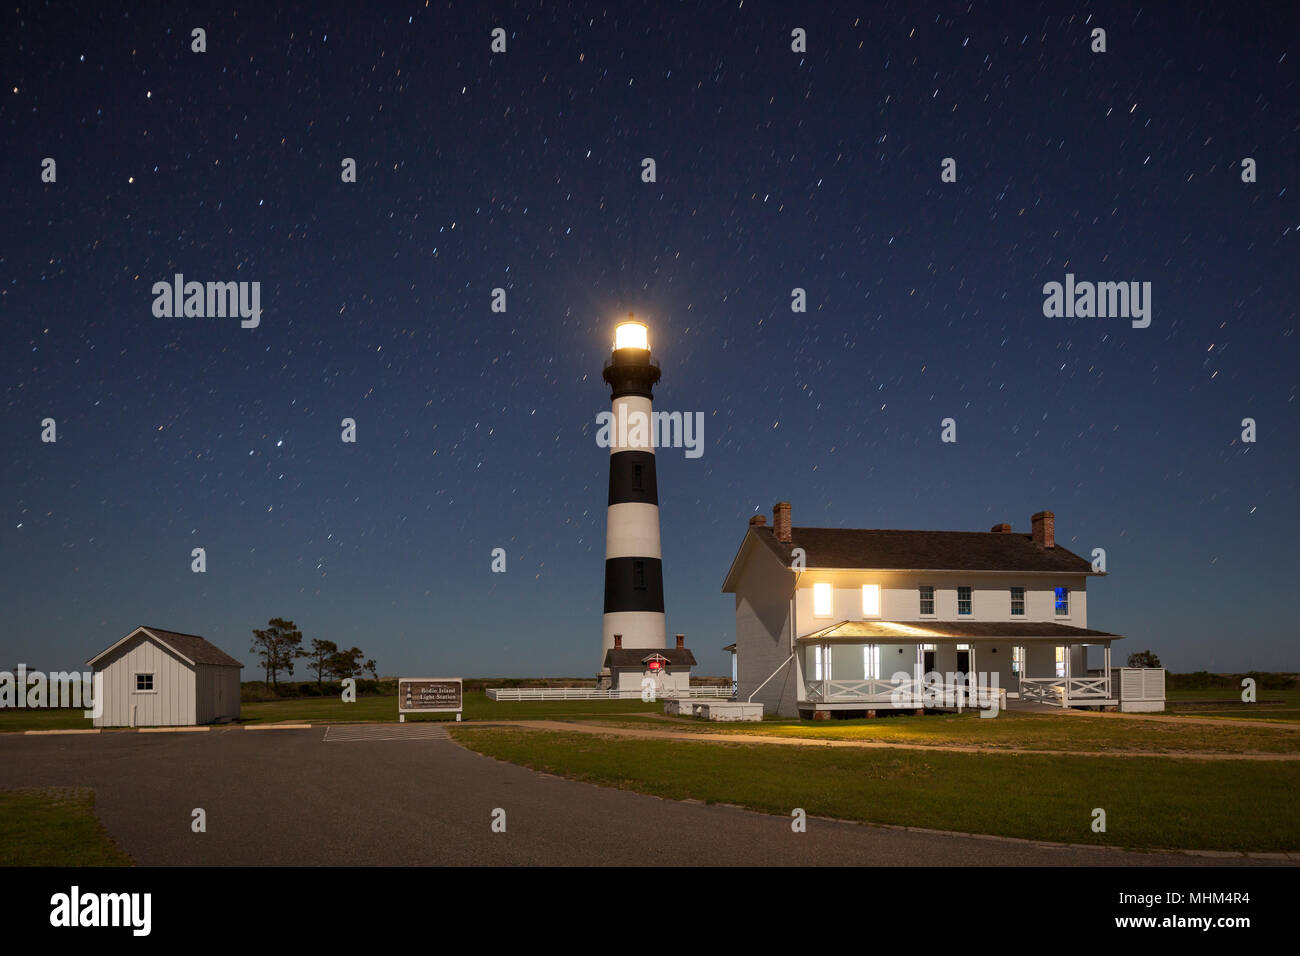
<point x="927" y="599"/>
<point x="144" y="682"/>
<point x="1017" y="602"/>
<point x="1062" y="602"/>
<point x="963" y="601"/>
<point x="871" y="661"/>
<point x="822" y="599"/>
<point x="871" y="600"/>
<point x="1017" y="660"/>
<point x="1060" y="661"/>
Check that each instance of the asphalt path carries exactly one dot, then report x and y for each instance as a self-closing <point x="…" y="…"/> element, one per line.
<point x="293" y="798"/>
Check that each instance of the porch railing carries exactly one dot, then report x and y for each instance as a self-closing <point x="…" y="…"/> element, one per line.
<point x="879" y="691"/>
<point x="1064" y="691"/>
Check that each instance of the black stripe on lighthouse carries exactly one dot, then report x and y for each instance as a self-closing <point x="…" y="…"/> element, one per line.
<point x="632" y="478"/>
<point x="634" y="584"/>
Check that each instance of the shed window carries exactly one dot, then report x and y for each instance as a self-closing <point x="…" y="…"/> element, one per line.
<point x="143" y="682"/>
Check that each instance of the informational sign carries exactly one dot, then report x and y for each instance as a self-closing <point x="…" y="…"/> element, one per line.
<point x="430" y="695"/>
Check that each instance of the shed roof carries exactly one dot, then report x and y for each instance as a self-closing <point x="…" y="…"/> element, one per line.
<point x="636" y="656"/>
<point x="190" y="647"/>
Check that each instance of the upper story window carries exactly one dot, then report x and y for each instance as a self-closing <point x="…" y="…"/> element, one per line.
<point x="144" y="682"/>
<point x="871" y="600"/>
<point x="927" y="599"/>
<point x="963" y="601"/>
<point x="823" y="599"/>
<point x="1062" y="602"/>
<point x="1017" y="602"/>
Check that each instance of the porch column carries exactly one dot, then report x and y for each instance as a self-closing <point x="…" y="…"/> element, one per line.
<point x="971" y="681"/>
<point x="1069" y="651"/>
<point x="919" y="673"/>
<point x="1106" y="666"/>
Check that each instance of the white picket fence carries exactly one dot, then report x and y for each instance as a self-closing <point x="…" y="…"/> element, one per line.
<point x="592" y="693"/>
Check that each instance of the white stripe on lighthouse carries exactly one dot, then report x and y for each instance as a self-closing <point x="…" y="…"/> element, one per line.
<point x="624" y="436"/>
<point x="632" y="531"/>
<point x="640" y="629"/>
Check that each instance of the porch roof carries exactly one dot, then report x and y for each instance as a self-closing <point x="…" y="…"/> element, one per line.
<point x="928" y="632"/>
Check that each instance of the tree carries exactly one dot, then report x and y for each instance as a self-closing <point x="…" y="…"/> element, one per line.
<point x="278" y="645"/>
<point x="319" y="655"/>
<point x="373" y="668"/>
<point x="1143" y="659"/>
<point x="344" y="664"/>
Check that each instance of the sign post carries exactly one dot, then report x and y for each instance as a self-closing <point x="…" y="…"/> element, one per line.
<point x="429" y="695"/>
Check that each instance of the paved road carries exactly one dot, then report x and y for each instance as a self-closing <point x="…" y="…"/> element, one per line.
<point x="291" y="797"/>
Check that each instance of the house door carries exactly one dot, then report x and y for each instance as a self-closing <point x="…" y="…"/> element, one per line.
<point x="929" y="662"/>
<point x="965" y="678"/>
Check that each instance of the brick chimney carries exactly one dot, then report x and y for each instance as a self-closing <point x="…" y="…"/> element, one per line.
<point x="618" y="642"/>
<point x="1003" y="528"/>
<point x="1044" y="524"/>
<point x="681" y="641"/>
<point x="781" y="521"/>
<point x="758" y="521"/>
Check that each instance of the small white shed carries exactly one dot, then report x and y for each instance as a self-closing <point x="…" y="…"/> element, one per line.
<point x="157" y="678"/>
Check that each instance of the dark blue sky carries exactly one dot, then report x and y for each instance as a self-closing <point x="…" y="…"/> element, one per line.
<point x="476" y="430"/>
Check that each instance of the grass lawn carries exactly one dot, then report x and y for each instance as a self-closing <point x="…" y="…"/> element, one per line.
<point x="1279" y="705"/>
<point x="1018" y="731"/>
<point x="327" y="709"/>
<point x="54" y="826"/>
<point x="1149" y="803"/>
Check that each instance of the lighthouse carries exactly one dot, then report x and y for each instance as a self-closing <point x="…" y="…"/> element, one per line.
<point x="634" y="581"/>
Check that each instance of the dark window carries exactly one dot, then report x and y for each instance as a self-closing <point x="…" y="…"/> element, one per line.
<point x="963" y="601"/>
<point x="927" y="599"/>
<point x="638" y="575"/>
<point x="143" y="682"/>
<point x="1018" y="602"/>
<point x="636" y="478"/>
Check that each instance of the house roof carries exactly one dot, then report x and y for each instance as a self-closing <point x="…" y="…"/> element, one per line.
<point x="189" y="647"/>
<point x="893" y="550"/>
<point x="636" y="656"/>
<point x="927" y="631"/>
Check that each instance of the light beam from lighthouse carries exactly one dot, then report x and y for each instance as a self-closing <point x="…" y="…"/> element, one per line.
<point x="634" y="581"/>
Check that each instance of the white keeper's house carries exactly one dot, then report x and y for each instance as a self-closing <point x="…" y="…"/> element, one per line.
<point x="158" y="678"/>
<point x="825" y="617"/>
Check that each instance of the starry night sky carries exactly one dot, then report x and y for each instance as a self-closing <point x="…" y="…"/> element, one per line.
<point x="522" y="170"/>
